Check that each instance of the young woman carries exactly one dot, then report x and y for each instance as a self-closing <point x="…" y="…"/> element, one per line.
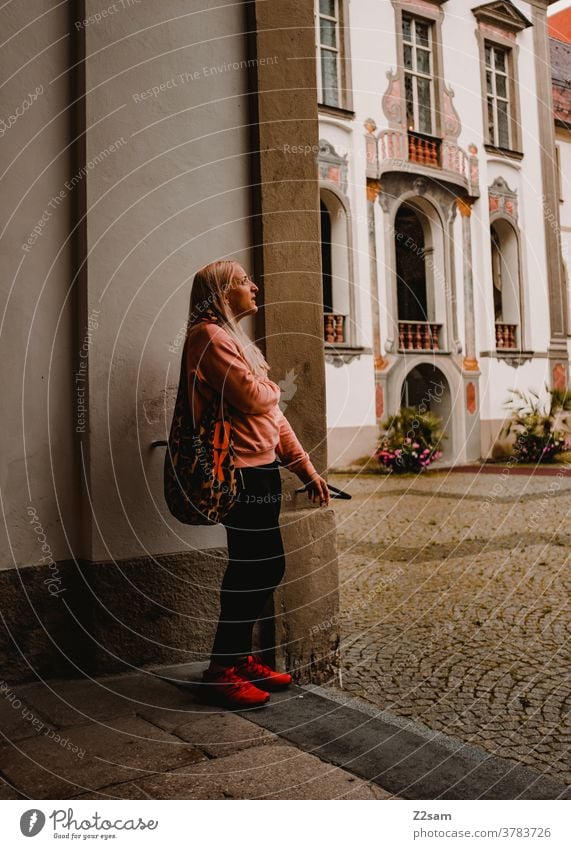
<point x="221" y="360"/>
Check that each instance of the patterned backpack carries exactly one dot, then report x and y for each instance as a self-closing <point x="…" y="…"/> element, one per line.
<point x="200" y="484"/>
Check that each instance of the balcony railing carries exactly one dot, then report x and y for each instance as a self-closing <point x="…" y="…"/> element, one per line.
<point x="423" y="150"/>
<point x="333" y="328"/>
<point x="419" y="336"/>
<point x="397" y="149"/>
<point x="506" y="336"/>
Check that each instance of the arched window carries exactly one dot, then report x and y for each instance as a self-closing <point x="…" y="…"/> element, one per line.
<point x="335" y="269"/>
<point x="326" y="258"/>
<point x="419" y="302"/>
<point x="411" y="267"/>
<point x="506" y="284"/>
<point x="496" y="274"/>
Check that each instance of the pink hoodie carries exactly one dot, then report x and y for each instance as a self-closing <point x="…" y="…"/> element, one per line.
<point x="216" y="364"/>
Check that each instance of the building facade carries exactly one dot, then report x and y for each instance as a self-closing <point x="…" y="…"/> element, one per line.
<point x="443" y="280"/>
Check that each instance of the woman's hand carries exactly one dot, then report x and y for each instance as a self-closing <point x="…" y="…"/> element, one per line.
<point x="317" y="490"/>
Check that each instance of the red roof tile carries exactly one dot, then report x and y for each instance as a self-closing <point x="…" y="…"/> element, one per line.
<point x="560" y="25"/>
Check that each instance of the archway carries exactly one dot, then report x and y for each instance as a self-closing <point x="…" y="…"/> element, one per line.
<point x="426" y="389"/>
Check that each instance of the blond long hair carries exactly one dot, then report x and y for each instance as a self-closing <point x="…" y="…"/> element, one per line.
<point x="209" y="286"/>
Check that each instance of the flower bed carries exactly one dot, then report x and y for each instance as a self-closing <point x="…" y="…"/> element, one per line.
<point x="410" y="441"/>
<point x="541" y="427"/>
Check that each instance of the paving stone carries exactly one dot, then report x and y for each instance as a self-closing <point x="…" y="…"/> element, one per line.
<point x="78" y="702"/>
<point x="458" y="606"/>
<point x="9" y="792"/>
<point x="125" y="790"/>
<point x="265" y="772"/>
<point x="19" y="720"/>
<point x="399" y="759"/>
<point x="218" y="735"/>
<point x="122" y="750"/>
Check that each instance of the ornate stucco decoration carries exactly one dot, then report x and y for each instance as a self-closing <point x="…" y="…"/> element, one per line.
<point x="514" y="360"/>
<point x="421" y="6"/>
<point x="340" y="358"/>
<point x="371" y="150"/>
<point x="503" y="15"/>
<point x="332" y="166"/>
<point x="452" y="125"/>
<point x="502" y="199"/>
<point x="392" y="101"/>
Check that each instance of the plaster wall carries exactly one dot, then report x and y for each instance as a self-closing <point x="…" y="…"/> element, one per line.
<point x="173" y="196"/>
<point x="36" y="339"/>
<point x="498" y="378"/>
<point x="350" y="393"/>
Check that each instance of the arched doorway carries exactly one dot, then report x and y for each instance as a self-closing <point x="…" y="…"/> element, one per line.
<point x="426" y="389"/>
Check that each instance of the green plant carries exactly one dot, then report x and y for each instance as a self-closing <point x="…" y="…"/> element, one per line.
<point x="540" y="426"/>
<point x="410" y="441"/>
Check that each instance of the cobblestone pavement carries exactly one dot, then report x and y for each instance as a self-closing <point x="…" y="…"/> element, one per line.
<point x="456" y="607"/>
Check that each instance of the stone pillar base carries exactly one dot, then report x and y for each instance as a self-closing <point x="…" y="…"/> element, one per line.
<point x="110" y="617"/>
<point x="306" y="604"/>
<point x="113" y="617"/>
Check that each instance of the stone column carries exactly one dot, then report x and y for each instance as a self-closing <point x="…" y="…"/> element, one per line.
<point x="470" y="362"/>
<point x="470" y="367"/>
<point x="380" y="363"/>
<point x="557" y="350"/>
<point x="284" y="122"/>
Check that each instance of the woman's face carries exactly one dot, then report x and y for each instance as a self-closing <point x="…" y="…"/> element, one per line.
<point x="241" y="295"/>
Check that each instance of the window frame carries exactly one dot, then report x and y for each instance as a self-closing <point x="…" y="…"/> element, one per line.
<point x="508" y="43"/>
<point x="494" y="132"/>
<point x="344" y="88"/>
<point x="337" y="206"/>
<point x="416" y="75"/>
<point x="560" y="191"/>
<point x="432" y="14"/>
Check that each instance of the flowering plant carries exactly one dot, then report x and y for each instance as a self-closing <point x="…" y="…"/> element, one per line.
<point x="540" y="427"/>
<point x="410" y="441"/>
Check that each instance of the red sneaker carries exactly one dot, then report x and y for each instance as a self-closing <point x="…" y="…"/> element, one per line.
<point x="263" y="676"/>
<point x="226" y="687"/>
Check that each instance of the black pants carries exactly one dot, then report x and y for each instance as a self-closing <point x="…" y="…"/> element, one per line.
<point x="256" y="560"/>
